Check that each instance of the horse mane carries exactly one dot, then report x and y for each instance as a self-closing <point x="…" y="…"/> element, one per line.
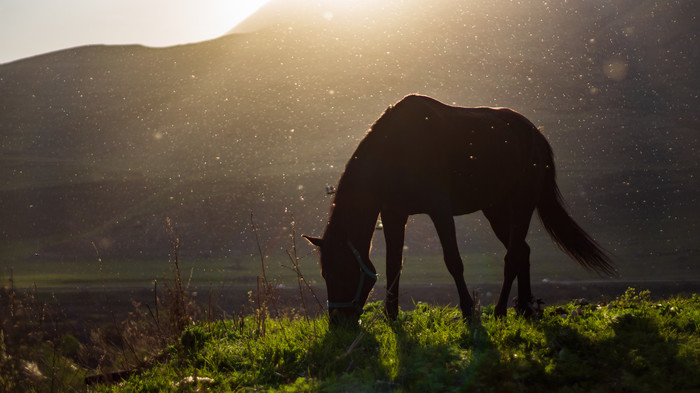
<point x="357" y="185"/>
<point x="361" y="161"/>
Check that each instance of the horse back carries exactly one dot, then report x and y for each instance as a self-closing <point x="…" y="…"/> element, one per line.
<point x="425" y="153"/>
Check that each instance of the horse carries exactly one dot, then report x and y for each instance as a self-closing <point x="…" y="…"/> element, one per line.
<point x="425" y="157"/>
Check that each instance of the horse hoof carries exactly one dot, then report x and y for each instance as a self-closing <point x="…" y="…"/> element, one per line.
<point x="525" y="311"/>
<point x="500" y="313"/>
<point x="531" y="309"/>
<point x="468" y="315"/>
<point x="391" y="312"/>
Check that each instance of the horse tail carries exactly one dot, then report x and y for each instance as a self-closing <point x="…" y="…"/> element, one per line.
<point x="565" y="232"/>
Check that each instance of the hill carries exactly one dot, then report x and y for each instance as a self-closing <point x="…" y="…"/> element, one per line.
<point x="99" y="144"/>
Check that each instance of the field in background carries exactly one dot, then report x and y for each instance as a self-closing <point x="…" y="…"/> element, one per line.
<point x="547" y="265"/>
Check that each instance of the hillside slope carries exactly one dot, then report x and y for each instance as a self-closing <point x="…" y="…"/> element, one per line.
<point x="98" y="144"/>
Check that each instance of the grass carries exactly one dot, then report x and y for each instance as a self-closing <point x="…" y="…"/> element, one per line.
<point x="629" y="344"/>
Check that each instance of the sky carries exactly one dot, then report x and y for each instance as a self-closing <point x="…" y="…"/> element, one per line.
<point x="32" y="27"/>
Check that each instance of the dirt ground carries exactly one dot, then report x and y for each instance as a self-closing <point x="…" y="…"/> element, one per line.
<point x="84" y="309"/>
<point x="552" y="292"/>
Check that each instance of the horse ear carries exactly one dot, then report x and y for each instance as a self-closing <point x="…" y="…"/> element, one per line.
<point x="316" y="241"/>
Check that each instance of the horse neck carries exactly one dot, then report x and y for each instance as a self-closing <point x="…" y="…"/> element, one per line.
<point x="354" y="216"/>
<point x="357" y="202"/>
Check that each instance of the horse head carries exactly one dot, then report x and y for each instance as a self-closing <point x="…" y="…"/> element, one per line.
<point x="349" y="278"/>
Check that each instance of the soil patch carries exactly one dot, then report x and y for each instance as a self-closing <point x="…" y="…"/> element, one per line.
<point x="84" y="309"/>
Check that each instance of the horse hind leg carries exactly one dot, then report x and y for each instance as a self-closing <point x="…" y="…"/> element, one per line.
<point x="511" y="227"/>
<point x="445" y="226"/>
<point x="394" y="231"/>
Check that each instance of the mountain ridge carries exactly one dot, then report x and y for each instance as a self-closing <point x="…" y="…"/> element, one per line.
<point x="278" y="112"/>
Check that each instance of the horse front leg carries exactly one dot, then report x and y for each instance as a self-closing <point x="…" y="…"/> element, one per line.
<point x="394" y="230"/>
<point x="445" y="226"/>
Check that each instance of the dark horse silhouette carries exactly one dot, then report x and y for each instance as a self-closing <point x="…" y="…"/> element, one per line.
<point x="422" y="156"/>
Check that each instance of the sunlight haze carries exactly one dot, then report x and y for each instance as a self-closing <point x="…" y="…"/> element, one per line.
<point x="41" y="26"/>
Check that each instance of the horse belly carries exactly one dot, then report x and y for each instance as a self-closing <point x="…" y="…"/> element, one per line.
<point x="480" y="180"/>
<point x="430" y="188"/>
<point x="470" y="195"/>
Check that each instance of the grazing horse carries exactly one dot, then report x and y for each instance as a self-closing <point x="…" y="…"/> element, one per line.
<point x="422" y="156"/>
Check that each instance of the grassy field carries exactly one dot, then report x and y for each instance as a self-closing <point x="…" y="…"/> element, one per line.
<point x="418" y="269"/>
<point x="628" y="345"/>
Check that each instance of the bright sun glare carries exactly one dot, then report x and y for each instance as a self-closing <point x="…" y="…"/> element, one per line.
<point x="46" y="25"/>
<point x="228" y="13"/>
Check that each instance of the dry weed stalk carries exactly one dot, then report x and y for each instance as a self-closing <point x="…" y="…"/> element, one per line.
<point x="176" y="296"/>
<point x="267" y="300"/>
<point x="294" y="259"/>
<point x="34" y="350"/>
